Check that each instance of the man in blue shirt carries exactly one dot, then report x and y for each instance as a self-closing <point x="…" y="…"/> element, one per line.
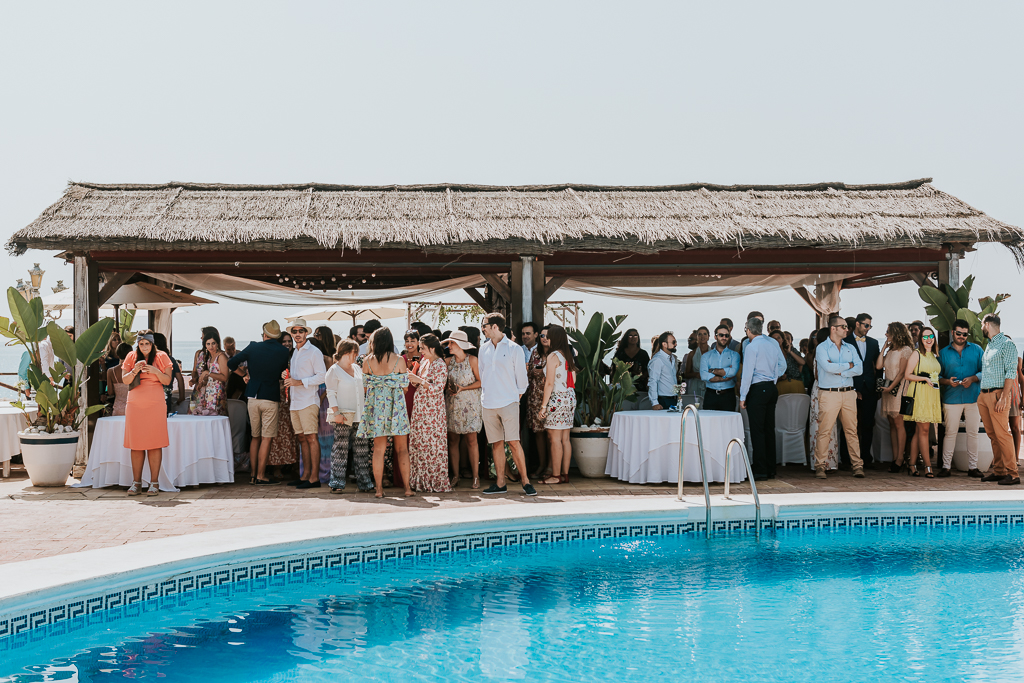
<point x="763" y="365"/>
<point x="838" y="363"/>
<point x="662" y="370"/>
<point x="960" y="380"/>
<point x="718" y="368"/>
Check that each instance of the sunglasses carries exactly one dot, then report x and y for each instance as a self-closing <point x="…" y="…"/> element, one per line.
<point x="722" y="336"/>
<point x="960" y="334"/>
<point x="928" y="336"/>
<point x="867" y="326"/>
<point x="543" y="336"/>
<point x="841" y="327"/>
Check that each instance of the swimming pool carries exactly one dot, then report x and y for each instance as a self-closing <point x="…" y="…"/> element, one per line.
<point x="852" y="600"/>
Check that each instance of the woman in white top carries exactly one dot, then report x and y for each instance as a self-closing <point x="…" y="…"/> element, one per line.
<point x="558" y="407"/>
<point x="345" y="407"/>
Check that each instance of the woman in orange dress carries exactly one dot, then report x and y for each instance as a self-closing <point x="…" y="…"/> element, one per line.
<point x="145" y="418"/>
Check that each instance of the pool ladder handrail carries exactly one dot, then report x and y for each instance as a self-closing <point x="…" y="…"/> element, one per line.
<point x="750" y="477"/>
<point x="703" y="469"/>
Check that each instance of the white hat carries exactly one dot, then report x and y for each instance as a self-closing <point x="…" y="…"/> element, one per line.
<point x="461" y="338"/>
<point x="299" y="322"/>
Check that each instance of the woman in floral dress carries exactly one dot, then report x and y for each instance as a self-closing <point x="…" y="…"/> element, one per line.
<point x="210" y="393"/>
<point x="428" y="445"/>
<point x="534" y="399"/>
<point x="385" y="377"/>
<point x="465" y="413"/>
<point x="282" y="446"/>
<point x="558" y="406"/>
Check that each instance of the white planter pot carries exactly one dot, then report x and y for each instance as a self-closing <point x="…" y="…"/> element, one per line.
<point x="49" y="457"/>
<point x="590" y="451"/>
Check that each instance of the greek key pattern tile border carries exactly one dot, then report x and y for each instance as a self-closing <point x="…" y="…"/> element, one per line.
<point x="84" y="612"/>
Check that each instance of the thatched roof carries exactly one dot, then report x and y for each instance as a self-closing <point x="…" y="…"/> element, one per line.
<point x="514" y="220"/>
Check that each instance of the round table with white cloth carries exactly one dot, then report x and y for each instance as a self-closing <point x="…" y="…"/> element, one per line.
<point x="199" y="453"/>
<point x="12" y="421"/>
<point x="644" y="446"/>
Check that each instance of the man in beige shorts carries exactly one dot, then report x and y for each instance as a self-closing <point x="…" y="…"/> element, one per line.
<point x="503" y="381"/>
<point x="308" y="372"/>
<point x="266" y="361"/>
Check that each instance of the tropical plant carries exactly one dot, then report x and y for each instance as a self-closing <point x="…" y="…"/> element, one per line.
<point x="124" y="326"/>
<point x="597" y="399"/>
<point x="947" y="305"/>
<point x="59" y="406"/>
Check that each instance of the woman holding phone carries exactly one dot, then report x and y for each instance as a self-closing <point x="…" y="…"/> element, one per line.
<point x="924" y="389"/>
<point x="145" y="416"/>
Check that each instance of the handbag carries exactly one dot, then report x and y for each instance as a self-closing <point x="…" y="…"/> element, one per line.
<point x="907" y="402"/>
<point x="136" y="381"/>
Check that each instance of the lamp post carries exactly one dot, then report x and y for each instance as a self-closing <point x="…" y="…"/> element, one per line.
<point x="24" y="290"/>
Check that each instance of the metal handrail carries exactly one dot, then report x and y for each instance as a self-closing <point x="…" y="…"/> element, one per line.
<point x="750" y="476"/>
<point x="703" y="469"/>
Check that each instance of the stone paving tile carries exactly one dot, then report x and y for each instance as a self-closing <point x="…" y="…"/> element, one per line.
<point x="37" y="522"/>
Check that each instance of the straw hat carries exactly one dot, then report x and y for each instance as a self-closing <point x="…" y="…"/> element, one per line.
<point x="460" y="338"/>
<point x="300" y="323"/>
<point x="272" y="329"/>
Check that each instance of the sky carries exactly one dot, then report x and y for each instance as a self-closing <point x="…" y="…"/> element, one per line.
<point x="515" y="93"/>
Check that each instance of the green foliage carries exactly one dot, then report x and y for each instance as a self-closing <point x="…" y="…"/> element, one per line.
<point x="947" y="305"/>
<point x="58" y="405"/>
<point x="124" y="326"/>
<point x="596" y="397"/>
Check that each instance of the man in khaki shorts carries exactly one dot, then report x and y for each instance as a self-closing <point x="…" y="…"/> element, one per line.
<point x="267" y="360"/>
<point x="502" y="382"/>
<point x="308" y="372"/>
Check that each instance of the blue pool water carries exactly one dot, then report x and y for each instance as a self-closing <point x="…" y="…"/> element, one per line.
<point x="911" y="604"/>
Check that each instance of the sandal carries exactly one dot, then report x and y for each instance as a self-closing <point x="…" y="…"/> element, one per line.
<point x="135" y="489"/>
<point x="551" y="481"/>
<point x="378" y="493"/>
<point x="895" y="468"/>
<point x="409" y="493"/>
<point x="476" y="482"/>
<point x="563" y="478"/>
<point x="455" y="481"/>
<point x="153" y="490"/>
<point x="928" y="473"/>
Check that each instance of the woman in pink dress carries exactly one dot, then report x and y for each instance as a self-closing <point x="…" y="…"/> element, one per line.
<point x="428" y="436"/>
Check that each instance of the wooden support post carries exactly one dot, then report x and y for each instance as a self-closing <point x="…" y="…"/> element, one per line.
<point x="87" y="298"/>
<point x="480" y="299"/>
<point x="540" y="296"/>
<point x="515" y="282"/>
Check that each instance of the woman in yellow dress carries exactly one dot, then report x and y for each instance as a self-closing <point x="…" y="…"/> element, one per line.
<point x="925" y="392"/>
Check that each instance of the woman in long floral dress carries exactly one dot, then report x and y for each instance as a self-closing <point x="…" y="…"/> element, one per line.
<point x="210" y="393"/>
<point x="428" y="443"/>
<point x="534" y="399"/>
<point x="282" y="446"/>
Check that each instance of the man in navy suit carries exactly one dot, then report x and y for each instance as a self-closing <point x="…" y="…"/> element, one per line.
<point x="267" y="360"/>
<point x="867" y="391"/>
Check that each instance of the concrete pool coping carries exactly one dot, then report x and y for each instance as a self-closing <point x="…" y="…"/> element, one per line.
<point x="35" y="583"/>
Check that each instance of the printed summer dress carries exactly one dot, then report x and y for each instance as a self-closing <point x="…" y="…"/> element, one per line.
<point x="212" y="398"/>
<point x="384" y="411"/>
<point x="465" y="413"/>
<point x="832" y="454"/>
<point x="562" y="402"/>
<point x="535" y="392"/>
<point x="428" y="440"/>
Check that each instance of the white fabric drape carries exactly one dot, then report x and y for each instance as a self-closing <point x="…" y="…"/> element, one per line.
<point x="670" y="289"/>
<point x="271" y="294"/>
<point x="824" y="300"/>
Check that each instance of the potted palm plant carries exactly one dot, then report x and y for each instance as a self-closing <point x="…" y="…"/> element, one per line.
<point x="48" y="446"/>
<point x="600" y="390"/>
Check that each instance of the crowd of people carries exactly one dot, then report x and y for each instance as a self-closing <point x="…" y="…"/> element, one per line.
<point x="441" y="406"/>
<point x="925" y="391"/>
<point x="325" y="410"/>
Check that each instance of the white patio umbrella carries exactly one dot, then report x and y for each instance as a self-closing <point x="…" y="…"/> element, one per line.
<point x="141" y="296"/>
<point x="348" y="312"/>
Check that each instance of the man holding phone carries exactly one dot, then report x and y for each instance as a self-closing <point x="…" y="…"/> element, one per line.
<point x="960" y="380"/>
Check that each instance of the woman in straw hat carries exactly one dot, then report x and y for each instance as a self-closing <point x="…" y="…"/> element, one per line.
<point x="465" y="413"/>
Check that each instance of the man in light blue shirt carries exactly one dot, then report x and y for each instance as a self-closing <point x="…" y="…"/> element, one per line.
<point x="763" y="365"/>
<point x="718" y="369"/>
<point x="838" y="363"/>
<point x="662" y="371"/>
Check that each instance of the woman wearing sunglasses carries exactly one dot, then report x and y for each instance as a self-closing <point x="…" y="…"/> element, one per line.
<point x="924" y="389"/>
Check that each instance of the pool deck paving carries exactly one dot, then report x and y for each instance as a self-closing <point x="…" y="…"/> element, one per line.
<point x="43" y="522"/>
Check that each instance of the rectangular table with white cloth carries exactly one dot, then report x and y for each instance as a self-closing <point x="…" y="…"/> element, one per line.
<point x="12" y="421"/>
<point x="644" y="446"/>
<point x="199" y="453"/>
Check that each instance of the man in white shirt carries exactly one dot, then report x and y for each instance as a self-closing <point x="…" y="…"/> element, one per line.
<point x="661" y="371"/>
<point x="306" y="375"/>
<point x="503" y="381"/>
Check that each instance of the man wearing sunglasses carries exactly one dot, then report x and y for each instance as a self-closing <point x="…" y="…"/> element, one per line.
<point x="838" y="363"/>
<point x="960" y="380"/>
<point x="865" y="388"/>
<point x="718" y="369"/>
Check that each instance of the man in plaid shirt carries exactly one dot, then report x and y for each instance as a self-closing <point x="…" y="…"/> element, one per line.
<point x="998" y="375"/>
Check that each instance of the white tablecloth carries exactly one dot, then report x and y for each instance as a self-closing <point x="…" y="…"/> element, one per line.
<point x="199" y="453"/>
<point x="644" y="446"/>
<point x="12" y="421"/>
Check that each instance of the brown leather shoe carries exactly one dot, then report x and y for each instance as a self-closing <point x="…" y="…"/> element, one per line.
<point x="1009" y="480"/>
<point x="975" y="473"/>
<point x="992" y="476"/>
<point x="820" y="473"/>
<point x="944" y="472"/>
<point x="858" y="472"/>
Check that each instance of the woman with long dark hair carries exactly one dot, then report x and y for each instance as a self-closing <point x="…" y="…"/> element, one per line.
<point x="791" y="382"/>
<point x="428" y="443"/>
<point x="558" y="406"/>
<point x="283" y="449"/>
<point x="385" y="376"/>
<point x="145" y="418"/>
<point x="637" y="359"/>
<point x="411" y="357"/>
<point x="465" y="413"/>
<point x="927" y="406"/>
<point x="209" y="395"/>
<point x="893" y="360"/>
<point x="535" y="398"/>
